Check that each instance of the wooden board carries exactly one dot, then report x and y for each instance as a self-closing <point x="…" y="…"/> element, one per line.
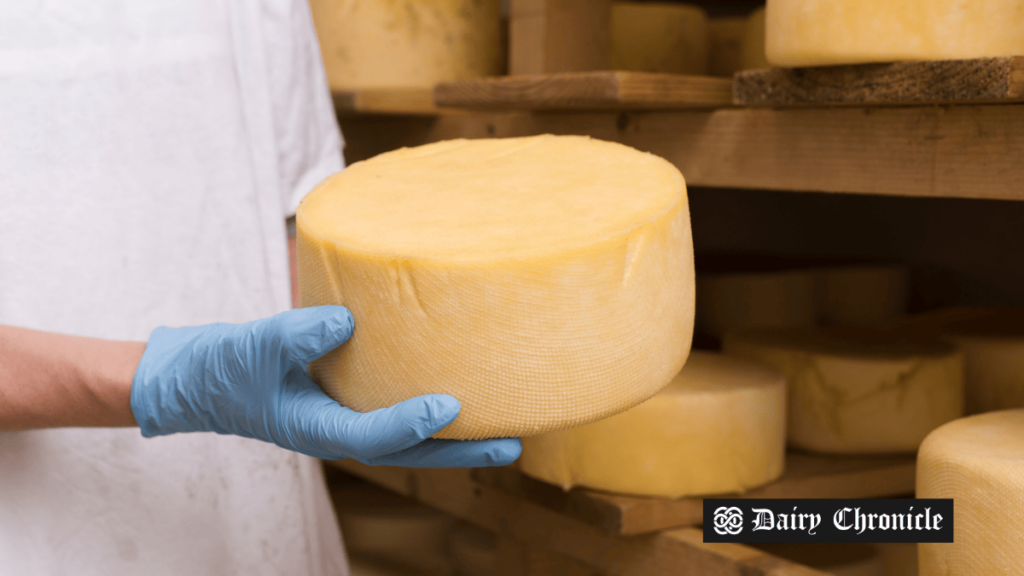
<point x="678" y="552"/>
<point x="947" y="152"/>
<point x="953" y="81"/>
<point x="806" y="476"/>
<point x="587" y="90"/>
<point x="548" y="36"/>
<point x="414" y="101"/>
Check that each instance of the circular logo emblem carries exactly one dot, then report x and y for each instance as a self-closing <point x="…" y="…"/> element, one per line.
<point x="728" y="520"/>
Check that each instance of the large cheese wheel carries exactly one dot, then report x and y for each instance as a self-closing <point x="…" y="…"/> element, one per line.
<point x="863" y="294"/>
<point x="403" y="43"/>
<point x="992" y="341"/>
<point x="827" y="32"/>
<point x="978" y="462"/>
<point x="753" y="41"/>
<point x="545" y="282"/>
<point x="859" y="391"/>
<point x="733" y="301"/>
<point x="718" y="428"/>
<point x="658" y="37"/>
<point x="836" y="559"/>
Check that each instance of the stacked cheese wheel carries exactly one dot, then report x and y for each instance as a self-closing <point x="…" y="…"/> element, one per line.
<point x="978" y="462"/>
<point x="658" y="37"/>
<point x="545" y="282"/>
<point x="822" y="33"/>
<point x="401" y="43"/>
<point x="855" y="391"/>
<point x="719" y="427"/>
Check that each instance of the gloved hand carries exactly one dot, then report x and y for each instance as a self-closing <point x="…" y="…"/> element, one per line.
<point x="251" y="380"/>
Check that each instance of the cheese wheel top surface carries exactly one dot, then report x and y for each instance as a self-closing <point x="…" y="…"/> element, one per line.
<point x="512" y="198"/>
<point x="848" y="342"/>
<point x="995" y="439"/>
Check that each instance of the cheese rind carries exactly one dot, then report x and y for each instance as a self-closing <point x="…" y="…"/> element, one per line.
<point x="658" y="37"/>
<point x="829" y="32"/>
<point x="545" y="282"/>
<point x="976" y="461"/>
<point x="718" y="428"/>
<point x="406" y="43"/>
<point x="859" y="391"/>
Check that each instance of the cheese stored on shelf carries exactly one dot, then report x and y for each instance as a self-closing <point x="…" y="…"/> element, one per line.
<point x="825" y="33"/>
<point x="725" y="41"/>
<point x="545" y="282"/>
<point x="863" y="294"/>
<point x="718" y="428"/>
<point x="992" y="340"/>
<point x="859" y="390"/>
<point x="753" y="41"/>
<point x="406" y="43"/>
<point x="977" y="461"/>
<point x="728" y="302"/>
<point x="658" y="37"/>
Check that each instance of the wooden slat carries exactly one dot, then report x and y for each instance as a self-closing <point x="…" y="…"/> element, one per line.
<point x="586" y="90"/>
<point x="414" y="101"/>
<point x="949" y="152"/>
<point x="953" y="81"/>
<point x="548" y="36"/>
<point x="678" y="552"/>
<point x="806" y="476"/>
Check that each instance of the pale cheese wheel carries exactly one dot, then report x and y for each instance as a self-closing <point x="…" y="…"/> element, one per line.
<point x="978" y="462"/>
<point x="729" y="302"/>
<point x="718" y="428"/>
<point x="725" y="39"/>
<point x="545" y="282"/>
<point x="658" y="37"/>
<point x="992" y="340"/>
<point x="407" y="43"/>
<point x="828" y="32"/>
<point x="753" y="41"/>
<point x="859" y="391"/>
<point x="835" y="559"/>
<point x="474" y="551"/>
<point x="863" y="294"/>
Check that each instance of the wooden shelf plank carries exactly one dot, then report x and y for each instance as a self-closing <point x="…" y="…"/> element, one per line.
<point x="983" y="80"/>
<point x="806" y="476"/>
<point x="679" y="552"/>
<point x="403" y="101"/>
<point x="935" y="151"/>
<point x="587" y="91"/>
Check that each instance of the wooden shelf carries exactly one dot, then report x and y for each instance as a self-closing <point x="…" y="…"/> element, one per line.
<point x="401" y="101"/>
<point x="679" y="552"/>
<point x="984" y="80"/>
<point x="587" y="91"/>
<point x="806" y="476"/>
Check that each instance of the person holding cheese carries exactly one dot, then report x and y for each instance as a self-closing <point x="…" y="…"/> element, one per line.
<point x="149" y="156"/>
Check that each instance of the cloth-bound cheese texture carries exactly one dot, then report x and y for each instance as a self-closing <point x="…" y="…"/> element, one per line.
<point x="545" y="282"/>
<point x="658" y="37"/>
<point x="863" y="294"/>
<point x="828" y="32"/>
<point x="977" y="462"/>
<point x="407" y="43"/>
<point x="992" y="340"/>
<point x="718" y="428"/>
<point x="859" y="390"/>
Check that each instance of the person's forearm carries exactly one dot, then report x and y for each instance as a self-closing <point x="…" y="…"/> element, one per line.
<point x="53" y="380"/>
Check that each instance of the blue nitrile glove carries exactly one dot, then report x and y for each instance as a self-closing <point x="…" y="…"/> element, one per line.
<point x="251" y="380"/>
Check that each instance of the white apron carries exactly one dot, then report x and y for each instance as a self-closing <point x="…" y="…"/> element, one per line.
<point x="149" y="154"/>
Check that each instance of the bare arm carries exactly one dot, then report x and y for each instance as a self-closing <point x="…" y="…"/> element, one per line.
<point x="52" y="380"/>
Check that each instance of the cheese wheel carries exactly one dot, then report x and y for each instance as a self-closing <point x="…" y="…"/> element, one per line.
<point x="828" y="32"/>
<point x="545" y="282"/>
<point x="658" y="37"/>
<point x="753" y="42"/>
<point x="729" y="302"/>
<point x="474" y="551"/>
<point x="407" y="43"/>
<point x="836" y="559"/>
<point x="978" y="462"/>
<point x="725" y="37"/>
<point x="863" y="295"/>
<point x="718" y="428"/>
<point x="992" y="340"/>
<point x="859" y="391"/>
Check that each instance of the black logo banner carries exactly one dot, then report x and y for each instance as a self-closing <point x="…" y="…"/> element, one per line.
<point x="827" y="520"/>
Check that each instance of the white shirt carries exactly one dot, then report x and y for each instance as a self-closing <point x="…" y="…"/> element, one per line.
<point x="149" y="154"/>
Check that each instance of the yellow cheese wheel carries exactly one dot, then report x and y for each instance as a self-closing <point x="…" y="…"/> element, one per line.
<point x="992" y="340"/>
<point x="658" y="37"/>
<point x="474" y="551"/>
<point x="827" y="32"/>
<point x="863" y="294"/>
<point x="725" y="39"/>
<point x="753" y="42"/>
<point x="545" y="282"/>
<point x="859" y="391"/>
<point x="729" y="302"/>
<point x="978" y="462"/>
<point x="718" y="428"/>
<point x="836" y="559"/>
<point x="406" y="43"/>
